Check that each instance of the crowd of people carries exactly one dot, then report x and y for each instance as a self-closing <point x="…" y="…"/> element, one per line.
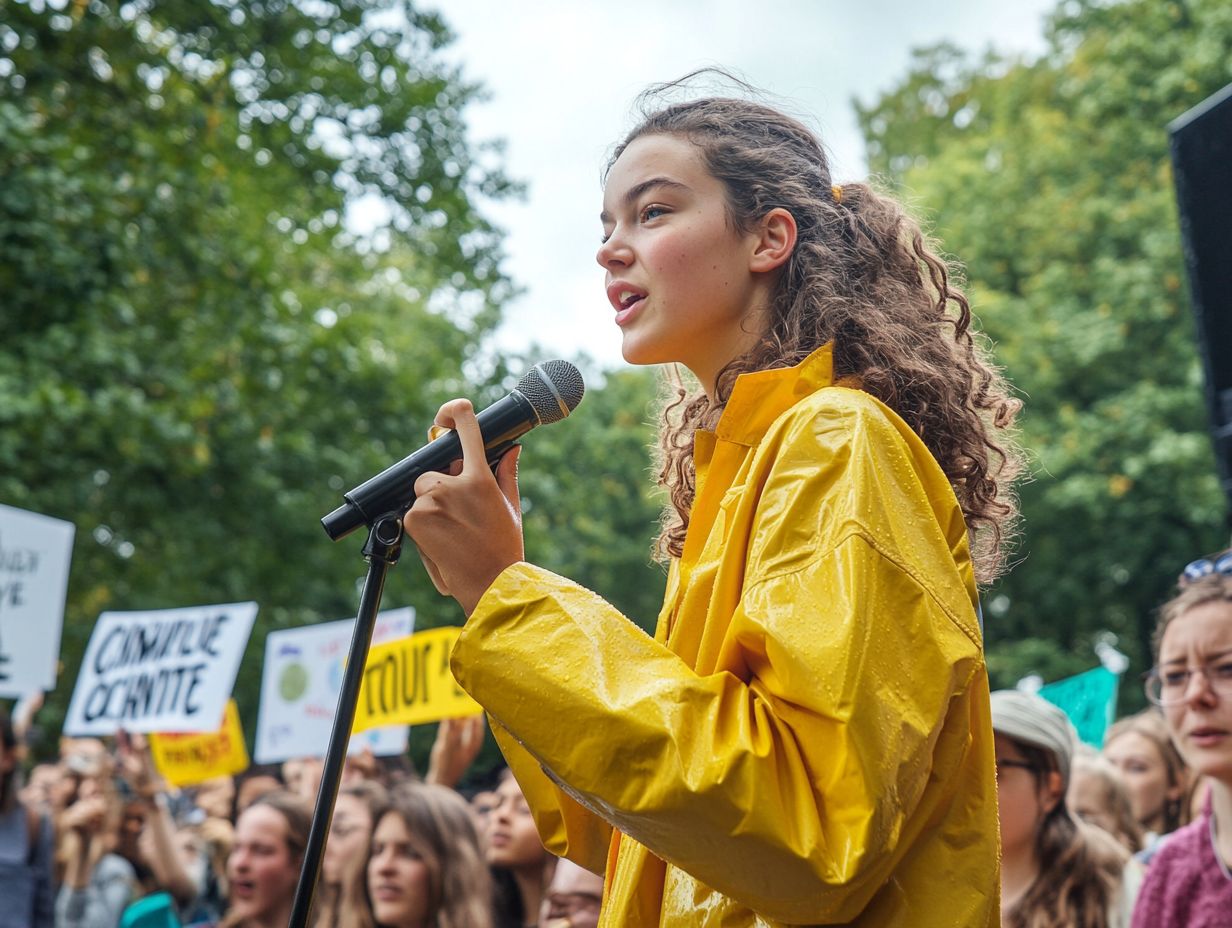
<point x="97" y="840"/>
<point x="1134" y="834"/>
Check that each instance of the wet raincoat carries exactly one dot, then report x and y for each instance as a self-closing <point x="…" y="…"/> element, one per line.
<point x="806" y="739"/>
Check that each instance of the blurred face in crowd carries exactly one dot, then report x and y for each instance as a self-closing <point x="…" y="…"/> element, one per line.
<point x="513" y="841"/>
<point x="1025" y="796"/>
<point x="214" y="797"/>
<point x="41" y="785"/>
<point x="397" y="876"/>
<point x="1089" y="799"/>
<point x="132" y="824"/>
<point x="260" y="868"/>
<point x="1201" y="725"/>
<point x="1146" y="776"/>
<point x="348" y="837"/>
<point x="482" y="805"/>
<point x="573" y="898"/>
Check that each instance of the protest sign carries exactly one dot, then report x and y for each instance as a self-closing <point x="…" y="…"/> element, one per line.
<point x="34" y="557"/>
<point x="409" y="682"/>
<point x="1089" y="699"/>
<point x="162" y="670"/>
<point x="300" y="683"/>
<point x="187" y="758"/>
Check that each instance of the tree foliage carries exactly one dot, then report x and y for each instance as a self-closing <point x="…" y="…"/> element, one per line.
<point x="196" y="355"/>
<point x="1050" y="180"/>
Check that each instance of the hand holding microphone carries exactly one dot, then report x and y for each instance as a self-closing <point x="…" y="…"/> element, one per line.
<point x="467" y="525"/>
<point x="466" y="522"/>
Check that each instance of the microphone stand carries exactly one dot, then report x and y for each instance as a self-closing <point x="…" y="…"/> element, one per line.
<point x="381" y="550"/>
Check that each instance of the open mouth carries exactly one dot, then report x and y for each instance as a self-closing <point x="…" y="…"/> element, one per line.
<point x="624" y="298"/>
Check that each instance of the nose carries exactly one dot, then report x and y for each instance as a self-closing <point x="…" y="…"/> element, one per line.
<point x="1198" y="687"/>
<point x="382" y="861"/>
<point x="614" y="252"/>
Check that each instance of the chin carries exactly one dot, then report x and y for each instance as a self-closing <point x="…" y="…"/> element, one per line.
<point x="641" y="354"/>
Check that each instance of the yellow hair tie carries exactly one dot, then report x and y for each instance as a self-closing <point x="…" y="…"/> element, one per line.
<point x="837" y="192"/>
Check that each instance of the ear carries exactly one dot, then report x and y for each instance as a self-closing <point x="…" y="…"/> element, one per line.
<point x="1051" y="791"/>
<point x="775" y="240"/>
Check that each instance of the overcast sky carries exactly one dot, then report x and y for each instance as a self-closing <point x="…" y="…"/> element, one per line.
<point x="563" y="74"/>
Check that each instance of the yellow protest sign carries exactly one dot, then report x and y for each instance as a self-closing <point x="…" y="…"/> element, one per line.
<point x="193" y="757"/>
<point x="408" y="682"/>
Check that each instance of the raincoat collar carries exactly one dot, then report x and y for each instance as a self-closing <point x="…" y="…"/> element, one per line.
<point x="760" y="397"/>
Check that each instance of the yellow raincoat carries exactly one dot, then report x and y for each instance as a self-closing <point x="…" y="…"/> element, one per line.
<point x="806" y="740"/>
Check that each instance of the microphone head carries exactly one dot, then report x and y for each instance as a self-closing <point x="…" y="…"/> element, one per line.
<point x="553" y="389"/>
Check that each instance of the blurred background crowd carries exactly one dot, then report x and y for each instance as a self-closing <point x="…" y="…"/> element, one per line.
<point x="1127" y="834"/>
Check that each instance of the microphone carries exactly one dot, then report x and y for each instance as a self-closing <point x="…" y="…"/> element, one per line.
<point x="548" y="393"/>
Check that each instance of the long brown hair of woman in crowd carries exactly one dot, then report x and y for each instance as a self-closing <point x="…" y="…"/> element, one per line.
<point x="341" y="903"/>
<point x="442" y="834"/>
<point x="864" y="277"/>
<point x="1081" y="866"/>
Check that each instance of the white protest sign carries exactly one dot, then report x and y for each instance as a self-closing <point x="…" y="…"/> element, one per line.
<point x="162" y="670"/>
<point x="34" y="556"/>
<point x="300" y="684"/>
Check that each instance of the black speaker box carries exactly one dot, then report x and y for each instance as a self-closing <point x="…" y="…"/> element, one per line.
<point x="1201" y="142"/>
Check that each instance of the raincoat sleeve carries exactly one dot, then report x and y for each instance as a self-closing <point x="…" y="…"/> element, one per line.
<point x="796" y="779"/>
<point x="567" y="828"/>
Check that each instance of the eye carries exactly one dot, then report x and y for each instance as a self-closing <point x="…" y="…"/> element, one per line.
<point x="1222" y="671"/>
<point x="1174" y="678"/>
<point x="652" y="211"/>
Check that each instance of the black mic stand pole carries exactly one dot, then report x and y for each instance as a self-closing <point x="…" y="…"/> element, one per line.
<point x="382" y="548"/>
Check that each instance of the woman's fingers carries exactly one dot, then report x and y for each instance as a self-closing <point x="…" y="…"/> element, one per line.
<point x="507" y="479"/>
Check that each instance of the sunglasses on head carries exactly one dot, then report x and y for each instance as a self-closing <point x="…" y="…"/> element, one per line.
<point x="1205" y="566"/>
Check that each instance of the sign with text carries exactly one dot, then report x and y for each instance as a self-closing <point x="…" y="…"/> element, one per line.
<point x="409" y="682"/>
<point x="300" y="683"/>
<point x="163" y="670"/>
<point x="1089" y="699"/>
<point x="187" y="758"/>
<point x="34" y="556"/>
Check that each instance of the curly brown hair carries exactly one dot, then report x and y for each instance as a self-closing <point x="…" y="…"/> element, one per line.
<point x="864" y="278"/>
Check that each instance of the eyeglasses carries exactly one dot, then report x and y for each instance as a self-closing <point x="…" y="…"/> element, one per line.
<point x="1205" y="566"/>
<point x="1005" y="764"/>
<point x="1171" y="687"/>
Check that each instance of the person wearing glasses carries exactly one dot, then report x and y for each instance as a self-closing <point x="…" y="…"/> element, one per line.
<point x="1189" y="882"/>
<point x="1055" y="869"/>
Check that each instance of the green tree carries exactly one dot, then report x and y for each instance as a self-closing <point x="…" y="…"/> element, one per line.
<point x="1051" y="181"/>
<point x="588" y="492"/>
<point x="196" y="355"/>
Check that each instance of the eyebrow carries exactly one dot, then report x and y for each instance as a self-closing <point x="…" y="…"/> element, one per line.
<point x="635" y="192"/>
<point x="1206" y="660"/>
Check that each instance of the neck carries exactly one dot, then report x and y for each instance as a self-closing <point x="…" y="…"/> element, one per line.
<point x="276" y="919"/>
<point x="1019" y="869"/>
<point x="530" y="887"/>
<point x="1155" y="824"/>
<point x="1221" y="809"/>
